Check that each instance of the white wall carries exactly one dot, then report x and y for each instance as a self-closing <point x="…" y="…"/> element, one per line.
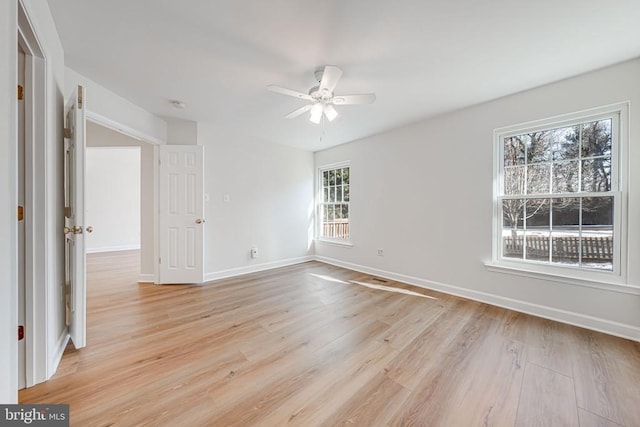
<point x="181" y="132"/>
<point x="113" y="198"/>
<point x="270" y="189"/>
<point x="114" y="111"/>
<point x="424" y="193"/>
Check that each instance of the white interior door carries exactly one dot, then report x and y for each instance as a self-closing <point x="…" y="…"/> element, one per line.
<point x="181" y="214"/>
<point x="74" y="230"/>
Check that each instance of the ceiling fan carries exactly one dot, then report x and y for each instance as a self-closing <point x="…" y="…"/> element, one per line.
<point x="321" y="97"/>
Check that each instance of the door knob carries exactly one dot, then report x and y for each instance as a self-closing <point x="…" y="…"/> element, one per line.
<point x="89" y="229"/>
<point x="199" y="221"/>
<point x="67" y="230"/>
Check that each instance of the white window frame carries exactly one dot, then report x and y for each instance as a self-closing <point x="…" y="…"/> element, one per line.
<point x="613" y="280"/>
<point x="320" y="203"/>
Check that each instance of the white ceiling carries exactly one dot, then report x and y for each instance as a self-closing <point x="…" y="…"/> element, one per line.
<point x="420" y="57"/>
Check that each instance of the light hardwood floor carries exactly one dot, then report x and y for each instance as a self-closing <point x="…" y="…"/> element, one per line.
<point x="314" y="344"/>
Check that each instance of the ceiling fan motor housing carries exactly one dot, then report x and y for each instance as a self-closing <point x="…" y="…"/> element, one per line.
<point x="320" y="95"/>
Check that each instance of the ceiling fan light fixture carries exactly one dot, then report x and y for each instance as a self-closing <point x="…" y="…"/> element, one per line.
<point x="330" y="112"/>
<point x="316" y="113"/>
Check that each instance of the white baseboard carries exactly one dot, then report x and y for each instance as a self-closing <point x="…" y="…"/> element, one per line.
<point x="147" y="278"/>
<point x="56" y="357"/>
<point x="113" y="248"/>
<point x="594" y="323"/>
<point x="223" y="274"/>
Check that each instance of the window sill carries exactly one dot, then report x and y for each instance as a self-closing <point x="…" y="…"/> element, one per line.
<point x="343" y="243"/>
<point x="564" y="278"/>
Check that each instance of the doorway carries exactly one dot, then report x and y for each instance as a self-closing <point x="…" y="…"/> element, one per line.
<point x="100" y="137"/>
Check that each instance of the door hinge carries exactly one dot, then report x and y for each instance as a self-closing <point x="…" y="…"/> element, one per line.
<point x="20" y="93"/>
<point x="20" y="332"/>
<point x="79" y="97"/>
<point x="20" y="213"/>
<point x="68" y="134"/>
<point x="67" y="211"/>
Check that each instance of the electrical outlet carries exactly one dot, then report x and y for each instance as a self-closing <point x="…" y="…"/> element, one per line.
<point x="380" y="252"/>
<point x="254" y="252"/>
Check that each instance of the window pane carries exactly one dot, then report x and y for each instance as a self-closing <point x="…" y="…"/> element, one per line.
<point x="337" y="212"/>
<point x="325" y="197"/>
<point x="512" y="228"/>
<point x="596" y="138"/>
<point x="565" y="177"/>
<point x="537" y="229"/>
<point x="514" y="180"/>
<point x="537" y="213"/>
<point x="339" y="194"/>
<point x="513" y="243"/>
<point x="537" y="244"/>
<point x="597" y="232"/>
<point x="325" y="178"/>
<point x="338" y="176"/>
<point x="332" y="194"/>
<point x="538" y="178"/>
<point x="345" y="211"/>
<point x="346" y="193"/>
<point x="597" y="212"/>
<point x="345" y="175"/>
<point x="539" y="147"/>
<point x="596" y="175"/>
<point x="332" y="177"/>
<point x="566" y="143"/>
<point x="565" y="235"/>
<point x="325" y="213"/>
<point x="331" y="213"/>
<point x="513" y="151"/>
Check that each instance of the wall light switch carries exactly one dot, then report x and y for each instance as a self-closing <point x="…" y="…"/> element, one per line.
<point x="226" y="198"/>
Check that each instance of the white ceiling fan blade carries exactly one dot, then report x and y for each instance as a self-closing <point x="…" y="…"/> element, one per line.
<point x="289" y="92"/>
<point x="297" y="112"/>
<point x="330" y="78"/>
<point x="363" y="98"/>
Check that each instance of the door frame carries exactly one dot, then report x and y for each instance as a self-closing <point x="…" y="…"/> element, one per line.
<point x="37" y="224"/>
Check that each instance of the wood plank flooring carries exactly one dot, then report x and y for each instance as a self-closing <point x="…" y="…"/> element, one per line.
<point x="317" y="345"/>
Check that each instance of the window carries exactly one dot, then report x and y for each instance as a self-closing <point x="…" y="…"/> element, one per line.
<point x="334" y="202"/>
<point x="558" y="193"/>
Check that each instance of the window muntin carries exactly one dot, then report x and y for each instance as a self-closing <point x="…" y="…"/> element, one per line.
<point x="334" y="202"/>
<point x="558" y="196"/>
